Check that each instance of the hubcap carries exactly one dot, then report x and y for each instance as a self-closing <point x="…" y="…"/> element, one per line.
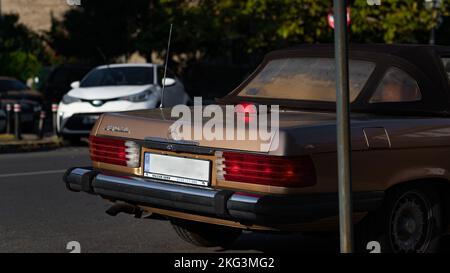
<point x="411" y="223"/>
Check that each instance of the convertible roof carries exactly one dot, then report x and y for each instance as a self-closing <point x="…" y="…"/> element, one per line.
<point x="422" y="62"/>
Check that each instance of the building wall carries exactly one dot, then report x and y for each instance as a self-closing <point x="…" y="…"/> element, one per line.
<point x="36" y="14"/>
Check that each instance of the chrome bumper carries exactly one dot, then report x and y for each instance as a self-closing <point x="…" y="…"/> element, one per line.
<point x="225" y="204"/>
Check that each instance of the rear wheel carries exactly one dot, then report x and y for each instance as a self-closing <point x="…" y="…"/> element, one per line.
<point x="72" y="140"/>
<point x="410" y="221"/>
<point x="205" y="235"/>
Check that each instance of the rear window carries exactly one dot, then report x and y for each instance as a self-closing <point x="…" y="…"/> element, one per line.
<point x="311" y="79"/>
<point x="110" y="76"/>
<point x="11" y="85"/>
<point x="396" y="86"/>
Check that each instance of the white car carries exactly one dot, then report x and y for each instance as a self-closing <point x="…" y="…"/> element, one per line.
<point x="115" y="88"/>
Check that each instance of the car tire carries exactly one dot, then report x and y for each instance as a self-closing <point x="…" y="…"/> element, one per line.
<point x="205" y="235"/>
<point x="409" y="221"/>
<point x="72" y="140"/>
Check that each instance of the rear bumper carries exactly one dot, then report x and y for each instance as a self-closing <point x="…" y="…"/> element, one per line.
<point x="263" y="210"/>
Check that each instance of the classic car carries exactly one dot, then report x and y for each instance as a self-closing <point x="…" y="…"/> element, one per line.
<point x="213" y="189"/>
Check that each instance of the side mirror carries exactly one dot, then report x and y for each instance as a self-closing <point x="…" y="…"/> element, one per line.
<point x="169" y="81"/>
<point x="75" y="85"/>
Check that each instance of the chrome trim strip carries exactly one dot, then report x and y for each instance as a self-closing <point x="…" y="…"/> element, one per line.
<point x="172" y="141"/>
<point x="153" y="185"/>
<point x="80" y="171"/>
<point x="244" y="198"/>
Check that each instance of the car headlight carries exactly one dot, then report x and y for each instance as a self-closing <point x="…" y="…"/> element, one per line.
<point x="142" y="96"/>
<point x="68" y="99"/>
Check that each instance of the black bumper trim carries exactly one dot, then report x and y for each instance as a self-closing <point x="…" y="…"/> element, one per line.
<point x="226" y="204"/>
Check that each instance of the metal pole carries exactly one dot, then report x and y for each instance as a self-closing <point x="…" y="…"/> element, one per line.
<point x="432" y="36"/>
<point x="343" y="129"/>
<point x="55" y="118"/>
<point x="42" y="116"/>
<point x="8" y="118"/>
<point x="17" y="131"/>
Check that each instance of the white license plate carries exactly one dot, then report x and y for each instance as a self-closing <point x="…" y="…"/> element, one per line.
<point x="177" y="169"/>
<point x="88" y="120"/>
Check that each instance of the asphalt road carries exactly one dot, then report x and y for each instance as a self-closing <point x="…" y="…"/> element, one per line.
<point x="38" y="214"/>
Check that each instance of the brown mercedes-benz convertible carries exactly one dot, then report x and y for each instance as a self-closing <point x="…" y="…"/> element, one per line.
<point x="212" y="188"/>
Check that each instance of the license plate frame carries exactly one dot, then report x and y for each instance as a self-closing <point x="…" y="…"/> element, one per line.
<point x="177" y="169"/>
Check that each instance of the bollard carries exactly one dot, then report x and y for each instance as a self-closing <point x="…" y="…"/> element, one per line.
<point x="55" y="116"/>
<point x="8" y="118"/>
<point x="41" y="124"/>
<point x="17" y="110"/>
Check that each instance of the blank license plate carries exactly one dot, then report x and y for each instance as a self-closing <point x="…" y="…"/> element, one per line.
<point x="88" y="120"/>
<point x="177" y="169"/>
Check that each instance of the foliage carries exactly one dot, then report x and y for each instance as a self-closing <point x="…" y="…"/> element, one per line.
<point x="215" y="29"/>
<point x="395" y="21"/>
<point x="21" y="51"/>
<point x="19" y="64"/>
<point x="98" y="31"/>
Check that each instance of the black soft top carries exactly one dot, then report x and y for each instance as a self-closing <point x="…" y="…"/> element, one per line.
<point x="422" y="62"/>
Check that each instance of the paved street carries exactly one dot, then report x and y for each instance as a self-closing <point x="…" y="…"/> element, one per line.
<point x="38" y="214"/>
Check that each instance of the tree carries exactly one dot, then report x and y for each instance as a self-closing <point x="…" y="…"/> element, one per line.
<point x="22" y="51"/>
<point x="98" y="31"/>
<point x="227" y="37"/>
<point x="395" y="21"/>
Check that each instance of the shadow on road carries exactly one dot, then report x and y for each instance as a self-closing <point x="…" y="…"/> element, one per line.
<point x="325" y="243"/>
<point x="286" y="243"/>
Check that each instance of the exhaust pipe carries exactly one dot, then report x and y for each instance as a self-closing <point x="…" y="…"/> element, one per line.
<point x="125" y="208"/>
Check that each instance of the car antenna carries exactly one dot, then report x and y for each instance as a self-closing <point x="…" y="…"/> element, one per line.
<point x="107" y="64"/>
<point x="165" y="68"/>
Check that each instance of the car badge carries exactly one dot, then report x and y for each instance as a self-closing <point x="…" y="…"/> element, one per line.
<point x="117" y="129"/>
<point x="97" y="102"/>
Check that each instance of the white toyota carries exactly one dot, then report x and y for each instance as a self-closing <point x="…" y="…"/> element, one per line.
<point x="115" y="88"/>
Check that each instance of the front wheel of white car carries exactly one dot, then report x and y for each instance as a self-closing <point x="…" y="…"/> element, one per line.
<point x="72" y="140"/>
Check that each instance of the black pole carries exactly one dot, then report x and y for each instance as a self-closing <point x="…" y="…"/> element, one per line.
<point x="8" y="119"/>
<point x="432" y="36"/>
<point x="17" y="132"/>
<point x="55" y="118"/>
<point x="343" y="129"/>
<point x="42" y="116"/>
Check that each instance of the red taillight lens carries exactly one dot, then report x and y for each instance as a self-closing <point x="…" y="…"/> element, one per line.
<point x="114" y="151"/>
<point x="266" y="170"/>
<point x="246" y="108"/>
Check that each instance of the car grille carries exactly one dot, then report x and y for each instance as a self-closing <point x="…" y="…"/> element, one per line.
<point x="81" y="122"/>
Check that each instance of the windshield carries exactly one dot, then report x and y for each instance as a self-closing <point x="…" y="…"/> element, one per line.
<point x="11" y="85"/>
<point x="118" y="76"/>
<point x="311" y="79"/>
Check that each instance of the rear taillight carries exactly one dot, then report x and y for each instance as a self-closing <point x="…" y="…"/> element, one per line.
<point x="114" y="151"/>
<point x="266" y="170"/>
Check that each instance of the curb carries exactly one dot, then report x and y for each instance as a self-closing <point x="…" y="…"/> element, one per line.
<point x="19" y="146"/>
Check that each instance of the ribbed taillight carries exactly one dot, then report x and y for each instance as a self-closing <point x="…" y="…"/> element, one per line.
<point x="266" y="170"/>
<point x="114" y="151"/>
